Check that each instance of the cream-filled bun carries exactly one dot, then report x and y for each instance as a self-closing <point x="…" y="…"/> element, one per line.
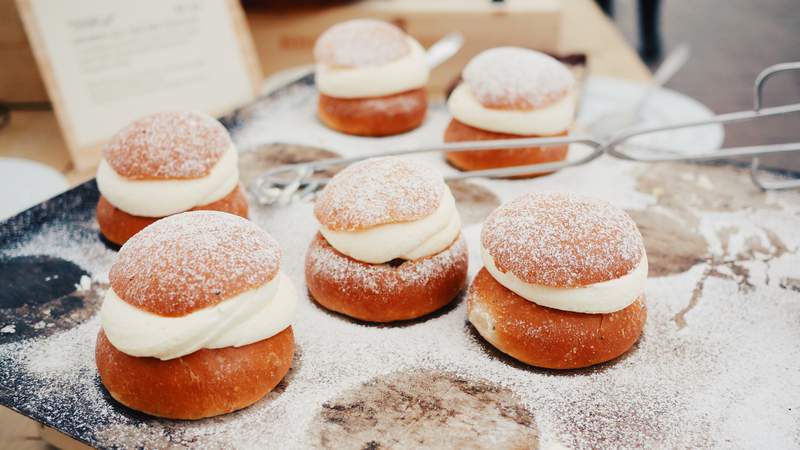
<point x="388" y="208"/>
<point x="563" y="281"/>
<point x="566" y="252"/>
<point x="516" y="91"/>
<point x="364" y="58"/>
<point x="167" y="163"/>
<point x="390" y="245"/>
<point x="195" y="280"/>
<point x="194" y="295"/>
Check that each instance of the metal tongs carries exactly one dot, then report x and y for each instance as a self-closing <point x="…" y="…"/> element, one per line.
<point x="287" y="183"/>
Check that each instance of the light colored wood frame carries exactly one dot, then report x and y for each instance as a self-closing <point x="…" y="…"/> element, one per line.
<point x="87" y="156"/>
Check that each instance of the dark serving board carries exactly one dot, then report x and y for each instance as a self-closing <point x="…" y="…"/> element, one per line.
<point x="720" y="343"/>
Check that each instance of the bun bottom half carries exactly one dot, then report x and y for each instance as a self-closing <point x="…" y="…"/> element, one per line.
<point x="374" y="116"/>
<point x="206" y="383"/>
<point x="118" y="226"/>
<point x="501" y="157"/>
<point x="547" y="337"/>
<point x="385" y="292"/>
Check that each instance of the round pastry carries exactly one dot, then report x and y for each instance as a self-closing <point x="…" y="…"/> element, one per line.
<point x="164" y="164"/>
<point x="389" y="246"/>
<point x="510" y="93"/>
<point x="197" y="319"/>
<point x="563" y="281"/>
<point x="371" y="77"/>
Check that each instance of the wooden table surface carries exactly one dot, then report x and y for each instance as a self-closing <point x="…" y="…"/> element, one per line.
<point x="35" y="135"/>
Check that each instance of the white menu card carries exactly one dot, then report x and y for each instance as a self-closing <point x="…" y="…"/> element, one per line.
<point x="108" y="62"/>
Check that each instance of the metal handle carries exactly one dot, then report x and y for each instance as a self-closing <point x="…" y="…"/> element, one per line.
<point x="758" y="103"/>
<point x="294" y="181"/>
<point x="615" y="146"/>
<point x="444" y="49"/>
<point x="297" y="181"/>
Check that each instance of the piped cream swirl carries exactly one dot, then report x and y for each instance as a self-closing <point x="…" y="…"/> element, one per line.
<point x="406" y="240"/>
<point x="552" y="119"/>
<point x="407" y="73"/>
<point x="248" y="317"/>
<point x="597" y="298"/>
<point x="159" y="198"/>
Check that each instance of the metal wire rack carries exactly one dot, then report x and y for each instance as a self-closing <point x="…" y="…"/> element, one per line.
<point x="301" y="181"/>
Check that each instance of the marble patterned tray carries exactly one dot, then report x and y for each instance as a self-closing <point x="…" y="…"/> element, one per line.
<point x="718" y="364"/>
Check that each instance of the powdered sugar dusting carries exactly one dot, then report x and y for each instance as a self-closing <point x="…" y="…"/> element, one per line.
<point x="168" y="145"/>
<point x="728" y="378"/>
<point x="193" y="260"/>
<point x="562" y="240"/>
<point x="379" y="191"/>
<point x="361" y="42"/>
<point x="517" y="78"/>
<point x="351" y="275"/>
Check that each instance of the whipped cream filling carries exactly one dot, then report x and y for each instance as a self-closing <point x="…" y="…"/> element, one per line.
<point x="552" y="119"/>
<point x="248" y="317"/>
<point x="407" y="73"/>
<point x="406" y="240"/>
<point x="159" y="198"/>
<point x="597" y="298"/>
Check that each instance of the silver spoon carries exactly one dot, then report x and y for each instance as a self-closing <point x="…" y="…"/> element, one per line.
<point x="616" y="121"/>
<point x="444" y="48"/>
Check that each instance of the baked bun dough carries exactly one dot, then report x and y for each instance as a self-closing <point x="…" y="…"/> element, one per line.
<point x="374" y="116"/>
<point x="563" y="281"/>
<point x="511" y="93"/>
<point x="206" y="383"/>
<point x="118" y="226"/>
<point x="164" y="164"/>
<point x="502" y="157"/>
<point x="197" y="318"/>
<point x="385" y="292"/>
<point x="371" y="77"/>
<point x="547" y="337"/>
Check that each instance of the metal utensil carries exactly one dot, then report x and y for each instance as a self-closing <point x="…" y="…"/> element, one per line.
<point x="444" y="49"/>
<point x="295" y="182"/>
<point x="613" y="122"/>
<point x="617" y="147"/>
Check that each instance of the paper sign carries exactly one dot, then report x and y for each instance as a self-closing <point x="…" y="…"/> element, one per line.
<point x="108" y="62"/>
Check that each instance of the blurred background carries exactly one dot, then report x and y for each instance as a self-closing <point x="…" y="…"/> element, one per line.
<point x="731" y="42"/>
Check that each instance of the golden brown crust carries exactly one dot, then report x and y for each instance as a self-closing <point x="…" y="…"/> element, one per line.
<point x="193" y="260"/>
<point x="206" y="383"/>
<point x="374" y="116"/>
<point x="489" y="159"/>
<point x="379" y="191"/>
<point x="562" y="240"/>
<point x="546" y="337"/>
<point x="118" y="226"/>
<point x="168" y="145"/>
<point x="384" y="292"/>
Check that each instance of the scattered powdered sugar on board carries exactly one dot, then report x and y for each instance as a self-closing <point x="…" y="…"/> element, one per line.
<point x="726" y="378"/>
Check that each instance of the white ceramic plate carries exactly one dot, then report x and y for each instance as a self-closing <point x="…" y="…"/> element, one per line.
<point x="27" y="183"/>
<point x="605" y="95"/>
